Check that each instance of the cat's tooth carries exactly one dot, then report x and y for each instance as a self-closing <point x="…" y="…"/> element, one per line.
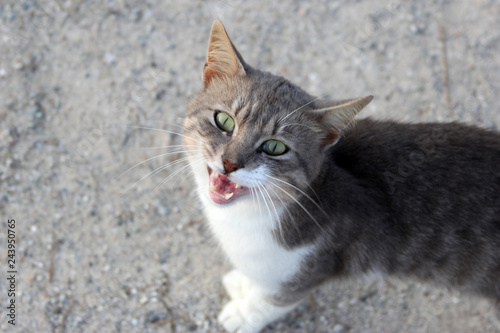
<point x="228" y="196"/>
<point x="213" y="188"/>
<point x="237" y="185"/>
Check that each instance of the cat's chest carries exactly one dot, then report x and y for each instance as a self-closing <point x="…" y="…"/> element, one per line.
<point x="246" y="234"/>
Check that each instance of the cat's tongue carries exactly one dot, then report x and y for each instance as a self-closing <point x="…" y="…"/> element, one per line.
<point x="222" y="190"/>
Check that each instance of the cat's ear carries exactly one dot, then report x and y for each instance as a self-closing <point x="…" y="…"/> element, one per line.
<point x="335" y="116"/>
<point x="223" y="60"/>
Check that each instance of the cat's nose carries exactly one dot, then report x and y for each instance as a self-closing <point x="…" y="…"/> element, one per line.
<point x="229" y="166"/>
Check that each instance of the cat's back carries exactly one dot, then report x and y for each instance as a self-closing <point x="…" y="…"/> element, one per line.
<point x="425" y="173"/>
<point x="425" y="154"/>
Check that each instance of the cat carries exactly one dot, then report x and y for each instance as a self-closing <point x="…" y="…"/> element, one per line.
<point x="297" y="194"/>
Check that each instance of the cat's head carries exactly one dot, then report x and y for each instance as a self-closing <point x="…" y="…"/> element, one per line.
<point x="254" y="134"/>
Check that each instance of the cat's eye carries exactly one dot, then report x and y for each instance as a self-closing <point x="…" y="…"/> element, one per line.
<point x="274" y="147"/>
<point x="224" y="121"/>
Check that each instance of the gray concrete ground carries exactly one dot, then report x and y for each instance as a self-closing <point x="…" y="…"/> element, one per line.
<point x="100" y="254"/>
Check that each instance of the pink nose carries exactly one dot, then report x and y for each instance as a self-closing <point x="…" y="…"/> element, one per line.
<point x="229" y="166"/>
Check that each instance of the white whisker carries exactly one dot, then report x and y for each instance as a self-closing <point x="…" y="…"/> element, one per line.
<point x="303" y="193"/>
<point x="173" y="146"/>
<point x="275" y="211"/>
<point x="165" y="131"/>
<point x="298" y="203"/>
<point x="315" y="194"/>
<point x="177" y="172"/>
<point x="288" y="115"/>
<point x="255" y="186"/>
<point x="155" y="157"/>
<point x="302" y="125"/>
<point x="152" y="173"/>
<point x="287" y="210"/>
<point x="179" y="126"/>
<point x="264" y="199"/>
<point x="252" y="193"/>
<point x="192" y="170"/>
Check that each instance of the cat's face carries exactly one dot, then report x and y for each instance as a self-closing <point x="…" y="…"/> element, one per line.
<point x="251" y="140"/>
<point x="255" y="136"/>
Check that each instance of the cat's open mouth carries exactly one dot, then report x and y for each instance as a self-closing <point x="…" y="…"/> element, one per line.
<point x="222" y="190"/>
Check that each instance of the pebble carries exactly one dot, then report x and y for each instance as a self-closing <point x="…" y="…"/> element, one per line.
<point x="109" y="58"/>
<point x="162" y="209"/>
<point x="18" y="64"/>
<point x="338" y="328"/>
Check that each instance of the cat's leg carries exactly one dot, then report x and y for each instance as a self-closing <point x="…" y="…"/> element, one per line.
<point x="253" y="312"/>
<point x="236" y="284"/>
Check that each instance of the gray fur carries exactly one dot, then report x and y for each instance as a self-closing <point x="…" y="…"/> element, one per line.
<point x="437" y="221"/>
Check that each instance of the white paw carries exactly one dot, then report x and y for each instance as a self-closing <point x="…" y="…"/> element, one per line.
<point x="232" y="319"/>
<point x="236" y="284"/>
<point x="252" y="313"/>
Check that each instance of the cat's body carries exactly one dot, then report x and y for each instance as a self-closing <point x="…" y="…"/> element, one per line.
<point x="295" y="196"/>
<point x="419" y="201"/>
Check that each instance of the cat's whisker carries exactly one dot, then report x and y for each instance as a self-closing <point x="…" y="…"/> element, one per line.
<point x="252" y="193"/>
<point x="179" y="126"/>
<point x="259" y="187"/>
<point x="192" y="169"/>
<point x="172" y="146"/>
<point x="300" y="205"/>
<point x="154" y="172"/>
<point x="303" y="193"/>
<point x="155" y="157"/>
<point x="315" y="194"/>
<point x="275" y="211"/>
<point x="300" y="125"/>
<point x="270" y="200"/>
<point x="286" y="209"/>
<point x="288" y="115"/>
<point x="255" y="186"/>
<point x="177" y="172"/>
<point x="166" y="131"/>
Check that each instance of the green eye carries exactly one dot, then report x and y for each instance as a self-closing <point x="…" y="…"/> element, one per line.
<point x="224" y="121"/>
<point x="274" y="147"/>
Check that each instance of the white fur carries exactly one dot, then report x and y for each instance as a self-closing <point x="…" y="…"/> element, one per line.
<point x="237" y="284"/>
<point x="245" y="231"/>
<point x="248" y="311"/>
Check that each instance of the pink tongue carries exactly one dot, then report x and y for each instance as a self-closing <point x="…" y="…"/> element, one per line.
<point x="221" y="184"/>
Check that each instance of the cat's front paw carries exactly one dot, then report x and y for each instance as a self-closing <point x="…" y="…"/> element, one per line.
<point x="236" y="284"/>
<point x="233" y="320"/>
<point x="252" y="313"/>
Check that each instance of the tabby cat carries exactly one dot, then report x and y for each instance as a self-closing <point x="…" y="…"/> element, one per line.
<point x="297" y="194"/>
